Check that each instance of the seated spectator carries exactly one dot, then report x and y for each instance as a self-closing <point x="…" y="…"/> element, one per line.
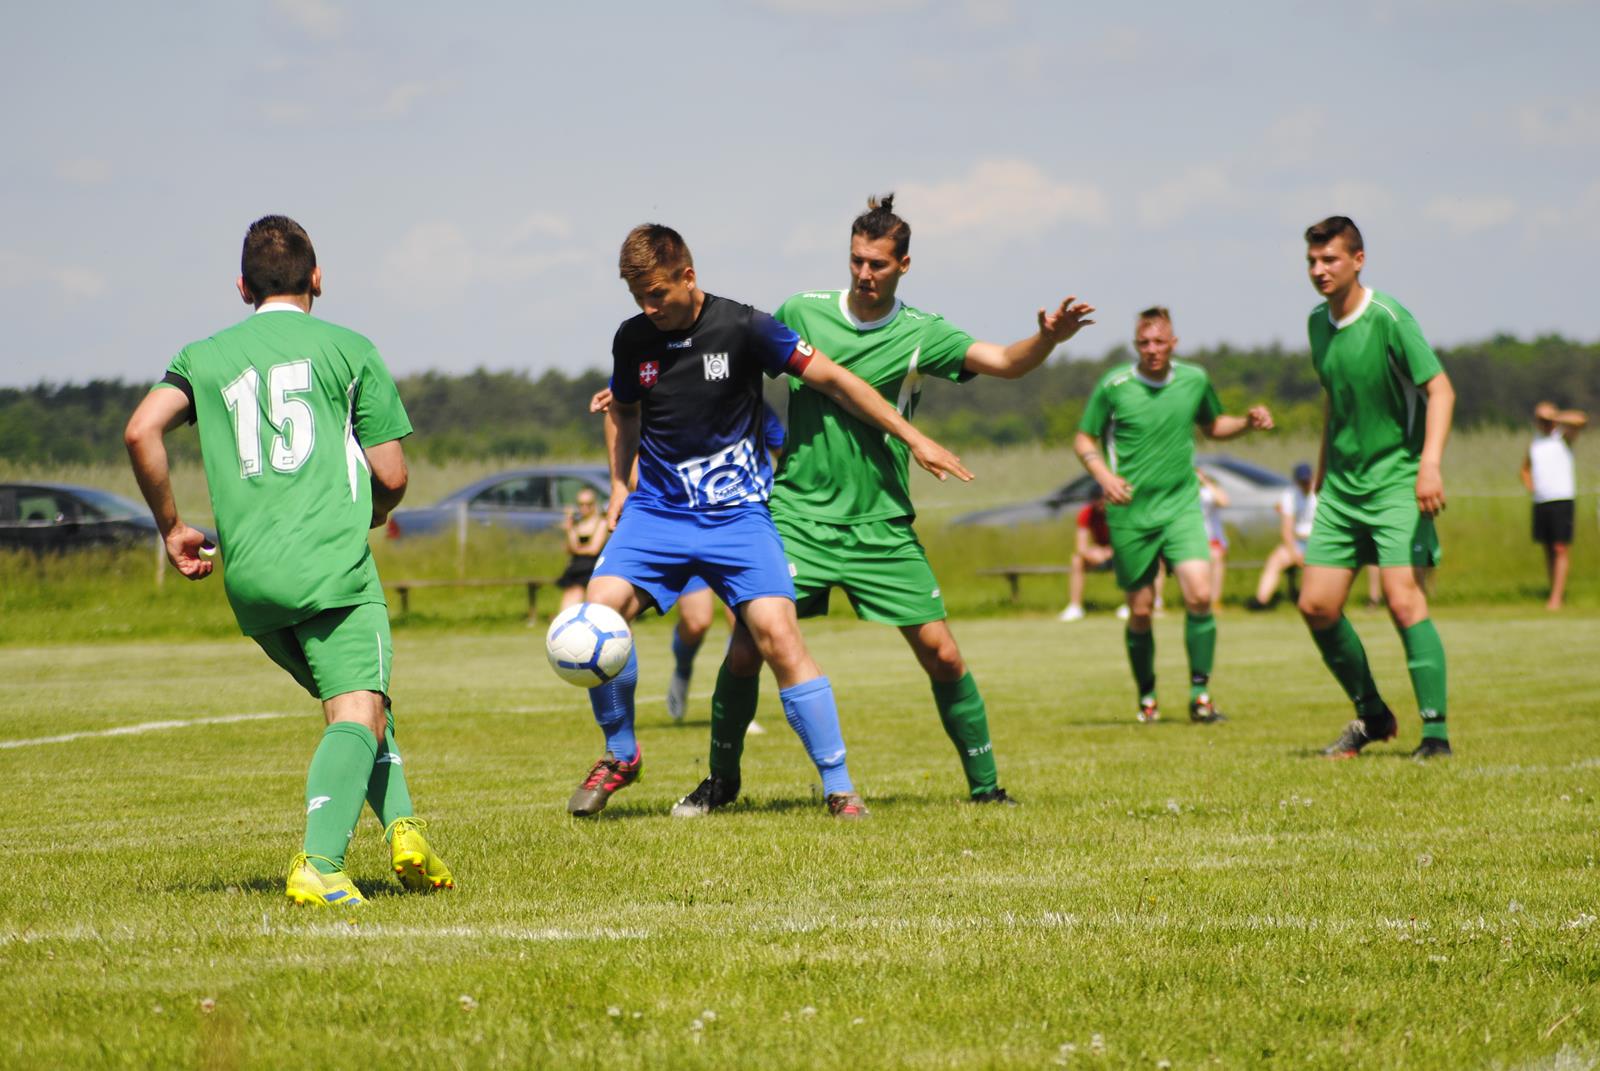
<point x="1295" y="513"/>
<point x="1093" y="551"/>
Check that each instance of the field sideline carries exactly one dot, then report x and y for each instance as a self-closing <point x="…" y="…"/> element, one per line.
<point x="1199" y="896"/>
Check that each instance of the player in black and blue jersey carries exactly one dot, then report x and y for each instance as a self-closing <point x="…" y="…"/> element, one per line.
<point x="686" y="402"/>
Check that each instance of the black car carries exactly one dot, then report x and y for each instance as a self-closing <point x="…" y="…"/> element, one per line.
<point x="55" y="517"/>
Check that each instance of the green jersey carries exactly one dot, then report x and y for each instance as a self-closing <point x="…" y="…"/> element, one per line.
<point x="1372" y="365"/>
<point x="285" y="402"/>
<point x="837" y="469"/>
<point x="1148" y="433"/>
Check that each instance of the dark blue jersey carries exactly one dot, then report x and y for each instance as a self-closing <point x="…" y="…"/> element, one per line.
<point x="702" y="437"/>
<point x="772" y="429"/>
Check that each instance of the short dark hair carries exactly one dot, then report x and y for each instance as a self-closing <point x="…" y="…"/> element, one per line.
<point x="879" y="221"/>
<point x="277" y="258"/>
<point x="651" y="248"/>
<point x="1154" y="312"/>
<point x="1327" y="230"/>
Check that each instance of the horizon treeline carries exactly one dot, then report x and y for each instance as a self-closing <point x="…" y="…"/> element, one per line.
<point x="485" y="414"/>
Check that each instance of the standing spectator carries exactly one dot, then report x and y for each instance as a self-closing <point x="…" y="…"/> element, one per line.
<point x="1548" y="474"/>
<point x="1213" y="500"/>
<point x="1092" y="551"/>
<point x="586" y="533"/>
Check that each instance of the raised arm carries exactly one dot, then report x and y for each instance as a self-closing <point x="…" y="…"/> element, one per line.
<point x="857" y="398"/>
<point x="1430" y="478"/>
<point x="622" y="449"/>
<point x="1024" y="355"/>
<point x="145" y="437"/>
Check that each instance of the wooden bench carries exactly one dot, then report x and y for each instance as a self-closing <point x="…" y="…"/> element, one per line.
<point x="404" y="587"/>
<point x="1015" y="573"/>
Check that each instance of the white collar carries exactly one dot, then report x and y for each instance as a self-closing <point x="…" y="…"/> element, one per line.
<point x="865" y="325"/>
<point x="279" y="306"/>
<point x="1366" y="299"/>
<point x="1147" y="381"/>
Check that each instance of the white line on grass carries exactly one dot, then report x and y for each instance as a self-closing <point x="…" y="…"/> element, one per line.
<point x="147" y="727"/>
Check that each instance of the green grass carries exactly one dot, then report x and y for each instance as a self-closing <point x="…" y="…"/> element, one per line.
<point x="1201" y="896"/>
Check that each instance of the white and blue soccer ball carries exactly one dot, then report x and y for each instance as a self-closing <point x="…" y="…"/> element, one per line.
<point x="588" y="644"/>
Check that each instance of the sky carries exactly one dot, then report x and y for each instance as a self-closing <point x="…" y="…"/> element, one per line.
<point x="467" y="172"/>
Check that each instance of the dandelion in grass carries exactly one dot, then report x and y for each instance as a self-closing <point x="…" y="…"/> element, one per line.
<point x="467" y="1003"/>
<point x="208" y="1005"/>
<point x="614" y="1011"/>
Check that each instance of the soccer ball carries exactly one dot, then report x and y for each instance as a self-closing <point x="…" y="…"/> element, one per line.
<point x="588" y="644"/>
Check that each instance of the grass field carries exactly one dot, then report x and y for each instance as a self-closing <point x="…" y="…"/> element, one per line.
<point x="1168" y="896"/>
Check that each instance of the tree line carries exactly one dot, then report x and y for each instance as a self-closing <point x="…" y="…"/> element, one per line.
<point x="514" y="414"/>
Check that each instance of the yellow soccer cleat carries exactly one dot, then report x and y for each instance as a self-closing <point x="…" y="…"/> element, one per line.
<point x="418" y="869"/>
<point x="308" y="885"/>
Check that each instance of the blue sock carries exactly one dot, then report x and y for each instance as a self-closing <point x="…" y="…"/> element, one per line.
<point x="613" y="710"/>
<point x="684" y="654"/>
<point x="811" y="713"/>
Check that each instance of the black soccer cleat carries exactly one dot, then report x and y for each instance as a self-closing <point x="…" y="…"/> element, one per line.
<point x="1202" y="711"/>
<point x="1432" y="748"/>
<point x="996" y="796"/>
<point x="1361" y="732"/>
<point x="710" y="794"/>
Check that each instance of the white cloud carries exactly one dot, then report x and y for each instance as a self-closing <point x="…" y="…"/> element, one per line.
<point x="398" y="100"/>
<point x="18" y="272"/>
<point x="432" y="263"/>
<point x="1000" y="199"/>
<point x="1468" y="214"/>
<point x="1195" y="187"/>
<point x="318" y="18"/>
<point x="540" y="225"/>
<point x="1358" y="200"/>
<point x="1565" y="124"/>
<point x="436" y="262"/>
<point x="84" y="171"/>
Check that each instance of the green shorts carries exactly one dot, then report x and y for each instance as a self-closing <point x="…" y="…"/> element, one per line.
<point x="880" y="565"/>
<point x="1384" y="531"/>
<point x="346" y="649"/>
<point x="1137" y="551"/>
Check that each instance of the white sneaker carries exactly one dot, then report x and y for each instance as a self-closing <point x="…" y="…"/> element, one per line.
<point x="1122" y="612"/>
<point x="677" y="697"/>
<point x="1071" y="613"/>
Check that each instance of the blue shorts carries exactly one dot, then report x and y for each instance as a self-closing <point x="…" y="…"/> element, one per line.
<point x="737" y="551"/>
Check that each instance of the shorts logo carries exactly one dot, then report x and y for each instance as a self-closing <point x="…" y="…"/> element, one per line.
<point x="716" y="365"/>
<point x="649" y="372"/>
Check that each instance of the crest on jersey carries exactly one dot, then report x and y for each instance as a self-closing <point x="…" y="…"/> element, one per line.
<point x="649" y="372"/>
<point x="716" y="365"/>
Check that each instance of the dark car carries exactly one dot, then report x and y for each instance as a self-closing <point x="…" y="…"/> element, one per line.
<point x="55" y="517"/>
<point x="1253" y="495"/>
<point x="523" y="500"/>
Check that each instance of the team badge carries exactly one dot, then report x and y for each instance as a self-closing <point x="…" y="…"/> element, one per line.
<point x="716" y="365"/>
<point x="649" y="372"/>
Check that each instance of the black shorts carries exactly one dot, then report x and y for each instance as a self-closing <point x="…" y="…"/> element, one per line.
<point x="1552" y="521"/>
<point x="580" y="567"/>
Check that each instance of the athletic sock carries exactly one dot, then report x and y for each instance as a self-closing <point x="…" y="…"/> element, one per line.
<point x="387" y="791"/>
<point x="1142" y="657"/>
<point x="336" y="787"/>
<point x="1200" y="639"/>
<point x="683" y="654"/>
<point x="612" y="704"/>
<point x="1347" y="661"/>
<point x="814" y="717"/>
<point x="966" y="723"/>
<point x="733" y="708"/>
<point x="1425" y="660"/>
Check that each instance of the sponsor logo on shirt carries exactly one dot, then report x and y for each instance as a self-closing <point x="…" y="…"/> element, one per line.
<point x="649" y="372"/>
<point x="716" y="365"/>
<point x="725" y="477"/>
<point x="681" y="344"/>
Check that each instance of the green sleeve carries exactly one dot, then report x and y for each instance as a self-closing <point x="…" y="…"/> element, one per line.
<point x="179" y="365"/>
<point x="784" y="315"/>
<point x="380" y="415"/>
<point x="1210" y="407"/>
<point x="1096" y="411"/>
<point x="1407" y="343"/>
<point x="944" y="350"/>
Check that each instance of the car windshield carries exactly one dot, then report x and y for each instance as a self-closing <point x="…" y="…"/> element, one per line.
<point x="112" y="507"/>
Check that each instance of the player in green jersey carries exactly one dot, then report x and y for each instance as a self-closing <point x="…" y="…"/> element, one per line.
<point x="300" y="427"/>
<point x="1387" y="409"/>
<point x="842" y="502"/>
<point x="1144" y="416"/>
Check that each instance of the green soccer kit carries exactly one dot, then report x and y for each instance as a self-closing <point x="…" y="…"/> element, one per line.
<point x="1372" y="366"/>
<point x="1147" y="430"/>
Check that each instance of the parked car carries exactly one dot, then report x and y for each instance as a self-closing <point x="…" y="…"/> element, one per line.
<point x="523" y="500"/>
<point x="56" y="517"/>
<point x="1253" y="494"/>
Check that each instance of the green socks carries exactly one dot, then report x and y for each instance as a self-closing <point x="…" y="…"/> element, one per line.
<point x="1200" y="639"/>
<point x="1425" y="660"/>
<point x="1142" y="657"/>
<point x="1347" y="660"/>
<point x="733" y="708"/>
<point x="386" y="788"/>
<point x="966" y="722"/>
<point x="336" y="786"/>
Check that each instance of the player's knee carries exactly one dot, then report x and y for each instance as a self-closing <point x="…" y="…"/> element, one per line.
<point x="1198" y="601"/>
<point x="942" y="662"/>
<point x="1318" y="612"/>
<point x="1139" y="620"/>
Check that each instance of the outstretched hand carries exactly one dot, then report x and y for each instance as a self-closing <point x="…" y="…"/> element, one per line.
<point x="1260" y="418"/>
<point x="183" y="550"/>
<point x="1058" y="325"/>
<point x="939" y="461"/>
<point x="601" y="400"/>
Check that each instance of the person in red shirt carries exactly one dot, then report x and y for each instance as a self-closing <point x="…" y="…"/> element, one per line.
<point x="1093" y="551"/>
